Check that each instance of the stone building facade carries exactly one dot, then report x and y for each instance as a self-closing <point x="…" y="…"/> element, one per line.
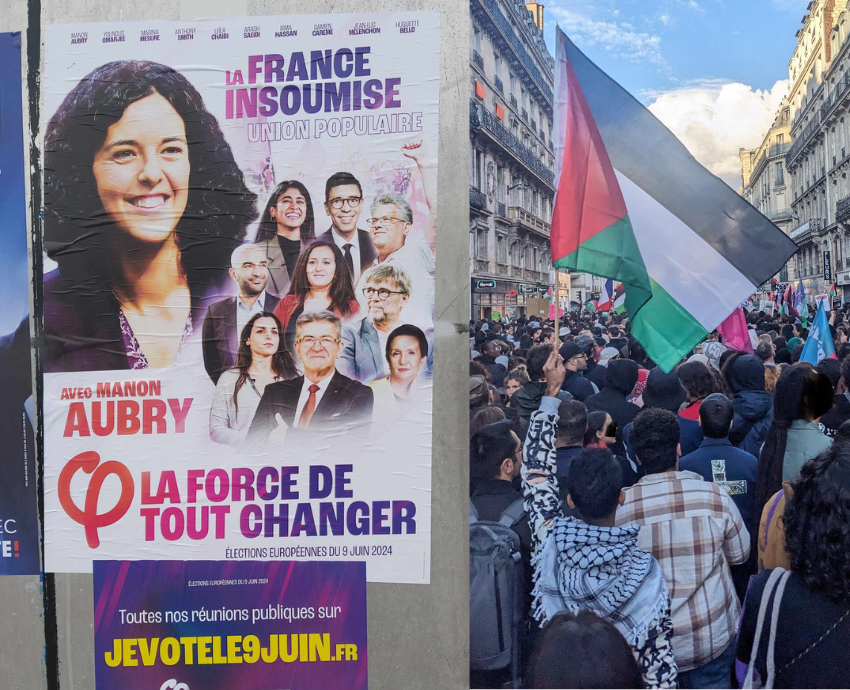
<point x="511" y="159"/>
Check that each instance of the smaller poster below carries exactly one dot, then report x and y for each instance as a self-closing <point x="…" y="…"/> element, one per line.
<point x="767" y="306"/>
<point x="250" y="625"/>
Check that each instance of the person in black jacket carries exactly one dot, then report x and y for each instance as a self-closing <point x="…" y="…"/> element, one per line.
<point x="621" y="378"/>
<point x="572" y="423"/>
<point x="575" y="362"/>
<point x="491" y="350"/>
<point x="840" y="411"/>
<point x="753" y="404"/>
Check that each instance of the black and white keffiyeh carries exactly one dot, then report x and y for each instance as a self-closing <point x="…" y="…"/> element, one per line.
<point x="600" y="569"/>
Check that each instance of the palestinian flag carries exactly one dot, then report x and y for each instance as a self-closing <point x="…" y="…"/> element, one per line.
<point x="633" y="205"/>
<point x="606" y="297"/>
<point x="833" y="291"/>
<point x="619" y="300"/>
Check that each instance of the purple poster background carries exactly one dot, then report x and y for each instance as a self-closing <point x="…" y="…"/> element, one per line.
<point x="210" y="590"/>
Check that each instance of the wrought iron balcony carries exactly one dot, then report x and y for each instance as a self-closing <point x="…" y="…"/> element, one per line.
<point x="500" y="87"/>
<point x="780" y="214"/>
<point x="833" y="99"/>
<point x="527" y="220"/>
<point x="842" y="209"/>
<point x="509" y="35"/>
<point x="481" y="117"/>
<point x="802" y="231"/>
<point x="775" y="150"/>
<point x="802" y="139"/>
<point x="478" y="60"/>
<point x="477" y="198"/>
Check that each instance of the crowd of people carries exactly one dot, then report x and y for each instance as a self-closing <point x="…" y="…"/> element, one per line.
<point x="634" y="528"/>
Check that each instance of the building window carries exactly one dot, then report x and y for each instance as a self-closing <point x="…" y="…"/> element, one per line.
<point x="500" y="184"/>
<point x="476" y="39"/>
<point x="501" y="258"/>
<point x="780" y="139"/>
<point x="478" y="169"/>
<point x="482" y="244"/>
<point x="498" y="70"/>
<point x="780" y="174"/>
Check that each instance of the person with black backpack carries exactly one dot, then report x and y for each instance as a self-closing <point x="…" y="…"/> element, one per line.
<point x="499" y="558"/>
<point x="589" y="563"/>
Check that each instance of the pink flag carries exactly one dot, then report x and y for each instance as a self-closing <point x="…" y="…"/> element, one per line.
<point x="735" y="333"/>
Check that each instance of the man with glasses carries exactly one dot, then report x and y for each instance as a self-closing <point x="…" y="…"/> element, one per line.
<point x="386" y="292"/>
<point x="322" y="400"/>
<point x="343" y="204"/>
<point x="575" y="362"/>
<point x="398" y="243"/>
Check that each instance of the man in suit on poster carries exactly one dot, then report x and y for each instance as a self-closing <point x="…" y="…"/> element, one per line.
<point x="322" y="399"/>
<point x="224" y="320"/>
<point x="344" y="204"/>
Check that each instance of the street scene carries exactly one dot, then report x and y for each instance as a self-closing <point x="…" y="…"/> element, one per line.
<point x="659" y="375"/>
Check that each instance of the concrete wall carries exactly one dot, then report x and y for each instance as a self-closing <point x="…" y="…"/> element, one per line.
<point x="418" y="635"/>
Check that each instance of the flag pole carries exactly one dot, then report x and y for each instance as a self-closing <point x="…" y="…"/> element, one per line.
<point x="557" y="309"/>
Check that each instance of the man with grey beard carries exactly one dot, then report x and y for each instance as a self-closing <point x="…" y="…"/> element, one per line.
<point x="386" y="291"/>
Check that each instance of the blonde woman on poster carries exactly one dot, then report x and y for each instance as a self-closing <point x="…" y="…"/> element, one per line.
<point x="144" y="206"/>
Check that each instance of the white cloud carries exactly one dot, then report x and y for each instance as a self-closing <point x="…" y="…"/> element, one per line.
<point x="714" y="120"/>
<point x="619" y="39"/>
<point x="664" y="19"/>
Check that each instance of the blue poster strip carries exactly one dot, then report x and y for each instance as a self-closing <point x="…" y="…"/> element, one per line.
<point x="19" y="550"/>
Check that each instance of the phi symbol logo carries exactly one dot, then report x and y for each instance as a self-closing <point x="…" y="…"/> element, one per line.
<point x="89" y="462"/>
<point x="173" y="685"/>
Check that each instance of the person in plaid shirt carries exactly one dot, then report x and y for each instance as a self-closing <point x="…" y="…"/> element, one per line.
<point x="695" y="531"/>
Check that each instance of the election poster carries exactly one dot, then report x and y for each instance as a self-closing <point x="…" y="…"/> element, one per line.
<point x="249" y="625"/>
<point x="19" y="547"/>
<point x="240" y="239"/>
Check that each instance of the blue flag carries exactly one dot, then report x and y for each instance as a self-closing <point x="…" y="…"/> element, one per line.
<point x="819" y="344"/>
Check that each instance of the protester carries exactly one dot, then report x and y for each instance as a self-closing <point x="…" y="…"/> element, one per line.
<point x="569" y="442"/>
<point x="840" y="412"/>
<point x="599" y="656"/>
<point x="514" y="380"/>
<point x="491" y="351"/>
<point x="485" y="416"/>
<point x="665" y="392"/>
<point x="812" y="635"/>
<point x="695" y="531"/>
<point x="527" y="399"/>
<point x="590" y="564"/>
<point x="732" y="469"/>
<point x="751" y="401"/>
<point x="601" y="431"/>
<point x="575" y="361"/>
<point x="802" y="396"/>
<point x="620" y="379"/>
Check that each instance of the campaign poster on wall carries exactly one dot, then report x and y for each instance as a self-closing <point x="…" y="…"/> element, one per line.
<point x="19" y="548"/>
<point x="201" y="625"/>
<point x="240" y="228"/>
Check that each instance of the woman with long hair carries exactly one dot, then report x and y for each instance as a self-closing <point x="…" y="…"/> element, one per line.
<point x="813" y="621"/>
<point x="144" y="204"/>
<point x="802" y="396"/>
<point x="287" y="227"/>
<point x="320" y="283"/>
<point x="260" y="360"/>
<point x="601" y="432"/>
<point x="699" y="384"/>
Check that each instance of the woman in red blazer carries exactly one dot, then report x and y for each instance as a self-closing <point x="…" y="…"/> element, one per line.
<point x="319" y="282"/>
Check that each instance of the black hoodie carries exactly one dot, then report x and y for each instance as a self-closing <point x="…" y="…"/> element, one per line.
<point x="620" y="380"/>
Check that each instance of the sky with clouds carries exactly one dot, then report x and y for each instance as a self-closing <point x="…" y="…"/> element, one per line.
<point x="714" y="71"/>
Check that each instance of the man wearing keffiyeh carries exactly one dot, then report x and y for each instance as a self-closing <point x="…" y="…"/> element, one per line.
<point x="591" y="564"/>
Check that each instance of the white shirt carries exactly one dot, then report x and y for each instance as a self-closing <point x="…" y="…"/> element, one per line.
<point x="416" y="259"/>
<point x="305" y="394"/>
<point x="340" y="242"/>
<point x="243" y="314"/>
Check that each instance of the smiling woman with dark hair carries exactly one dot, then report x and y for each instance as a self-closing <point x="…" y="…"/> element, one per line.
<point x="144" y="204"/>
